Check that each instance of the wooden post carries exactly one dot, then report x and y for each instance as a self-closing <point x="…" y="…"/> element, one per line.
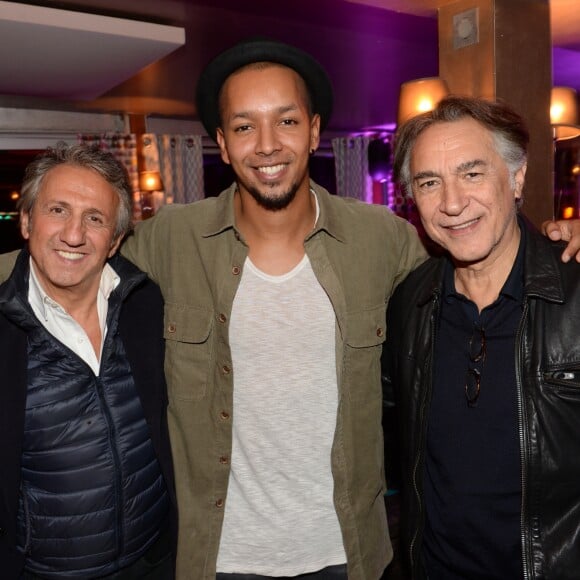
<point x="512" y="60"/>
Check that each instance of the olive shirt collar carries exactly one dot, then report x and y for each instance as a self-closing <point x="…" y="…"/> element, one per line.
<point x="328" y="220"/>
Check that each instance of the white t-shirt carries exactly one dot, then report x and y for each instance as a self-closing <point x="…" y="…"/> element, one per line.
<point x="279" y="514"/>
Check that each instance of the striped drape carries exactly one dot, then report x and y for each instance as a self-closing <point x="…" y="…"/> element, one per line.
<point x="352" y="167"/>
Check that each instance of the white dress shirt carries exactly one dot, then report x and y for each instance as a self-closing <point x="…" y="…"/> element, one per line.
<point x="63" y="326"/>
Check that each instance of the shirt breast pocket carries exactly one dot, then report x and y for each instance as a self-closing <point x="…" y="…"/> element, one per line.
<point x="188" y="351"/>
<point x="366" y="335"/>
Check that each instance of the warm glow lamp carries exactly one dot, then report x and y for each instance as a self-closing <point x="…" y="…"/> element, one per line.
<point x="564" y="113"/>
<point x="150" y="181"/>
<point x="151" y="188"/>
<point x="420" y="95"/>
<point x="564" y="120"/>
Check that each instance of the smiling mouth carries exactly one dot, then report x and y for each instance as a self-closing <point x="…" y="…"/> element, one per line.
<point x="462" y="226"/>
<point x="70" y="255"/>
<point x="271" y="169"/>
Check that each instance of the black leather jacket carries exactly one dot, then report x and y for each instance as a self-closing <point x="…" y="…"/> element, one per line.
<point x="547" y="358"/>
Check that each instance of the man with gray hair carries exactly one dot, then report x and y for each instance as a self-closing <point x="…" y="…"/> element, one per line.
<point x="483" y="359"/>
<point x="86" y="482"/>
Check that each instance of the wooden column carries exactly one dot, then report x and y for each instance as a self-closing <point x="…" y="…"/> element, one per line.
<point x="511" y="60"/>
<point x="138" y="125"/>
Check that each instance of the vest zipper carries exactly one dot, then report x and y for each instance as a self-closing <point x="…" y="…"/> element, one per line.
<point x="27" y="522"/>
<point x="111" y="433"/>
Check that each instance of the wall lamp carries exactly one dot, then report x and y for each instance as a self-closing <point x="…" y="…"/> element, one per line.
<point x="420" y="95"/>
<point x="151" y="191"/>
<point x="564" y="113"/>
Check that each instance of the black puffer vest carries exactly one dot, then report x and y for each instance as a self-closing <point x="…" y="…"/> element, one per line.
<point x="93" y="498"/>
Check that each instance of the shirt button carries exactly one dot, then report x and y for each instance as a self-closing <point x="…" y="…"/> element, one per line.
<point x="222" y="317"/>
<point x="224" y="415"/>
<point x="171" y="327"/>
<point x="236" y="270"/>
<point x="226" y="370"/>
<point x="219" y="503"/>
<point x="224" y="460"/>
<point x="380" y="332"/>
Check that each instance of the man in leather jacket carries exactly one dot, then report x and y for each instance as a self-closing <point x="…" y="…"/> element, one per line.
<point x="483" y="361"/>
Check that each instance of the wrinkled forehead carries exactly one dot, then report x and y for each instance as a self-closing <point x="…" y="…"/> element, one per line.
<point x="464" y="138"/>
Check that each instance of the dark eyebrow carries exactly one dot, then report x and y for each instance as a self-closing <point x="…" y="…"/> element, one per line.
<point x="240" y="115"/>
<point x="470" y="165"/>
<point x="424" y="174"/>
<point x="466" y="166"/>
<point x="67" y="205"/>
<point x="281" y="111"/>
<point x="94" y="210"/>
<point x="288" y="109"/>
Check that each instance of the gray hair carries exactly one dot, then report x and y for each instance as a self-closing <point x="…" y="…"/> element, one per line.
<point x="509" y="131"/>
<point x="102" y="162"/>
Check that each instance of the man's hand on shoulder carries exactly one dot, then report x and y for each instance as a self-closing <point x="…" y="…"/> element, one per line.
<point x="567" y="231"/>
<point x="7" y="262"/>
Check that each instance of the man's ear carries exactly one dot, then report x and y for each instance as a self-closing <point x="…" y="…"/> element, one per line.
<point x="25" y="224"/>
<point x="314" y="133"/>
<point x="115" y="246"/>
<point x="222" y="145"/>
<point x="520" y="178"/>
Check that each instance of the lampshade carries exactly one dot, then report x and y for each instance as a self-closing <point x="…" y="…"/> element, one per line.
<point x="150" y="181"/>
<point x="420" y="95"/>
<point x="564" y="113"/>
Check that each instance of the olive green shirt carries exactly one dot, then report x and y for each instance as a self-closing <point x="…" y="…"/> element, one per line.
<point x="359" y="253"/>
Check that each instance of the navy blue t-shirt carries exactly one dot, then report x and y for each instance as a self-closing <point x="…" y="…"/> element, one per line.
<point x="472" y="478"/>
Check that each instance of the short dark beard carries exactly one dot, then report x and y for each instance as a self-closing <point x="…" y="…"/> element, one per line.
<point x="274" y="203"/>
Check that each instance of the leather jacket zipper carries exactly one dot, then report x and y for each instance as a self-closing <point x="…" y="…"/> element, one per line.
<point x="420" y="456"/>
<point x="523" y="443"/>
<point x="569" y="378"/>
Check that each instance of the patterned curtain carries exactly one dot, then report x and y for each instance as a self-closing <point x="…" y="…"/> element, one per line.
<point x="352" y="167"/>
<point x="124" y="147"/>
<point x="179" y="159"/>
